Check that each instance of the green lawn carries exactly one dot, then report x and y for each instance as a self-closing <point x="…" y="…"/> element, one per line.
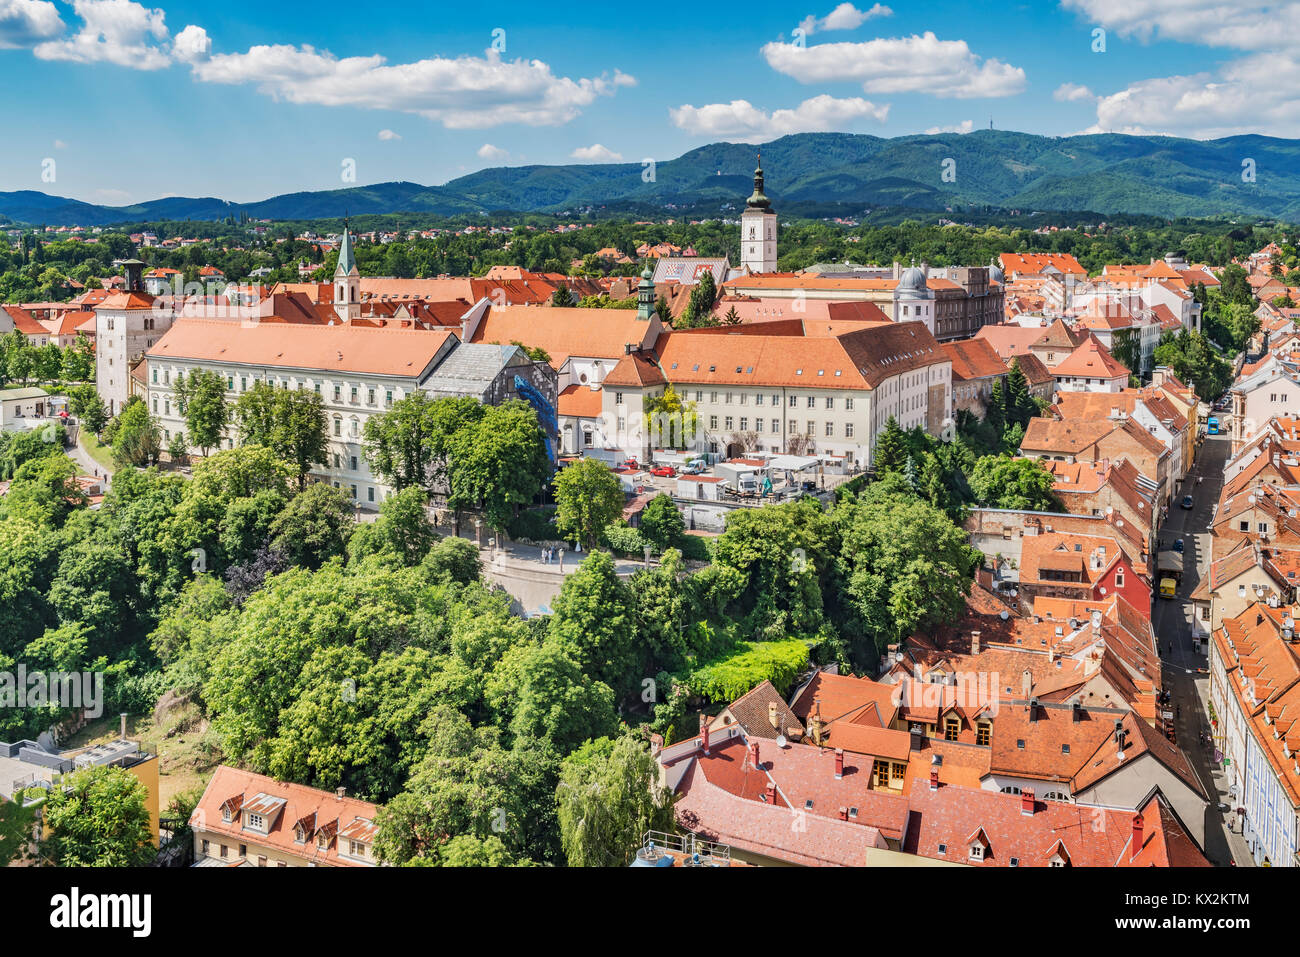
<point x="100" y="453"/>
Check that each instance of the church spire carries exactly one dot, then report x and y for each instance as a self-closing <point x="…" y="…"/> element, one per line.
<point x="759" y="200"/>
<point x="347" y="260"/>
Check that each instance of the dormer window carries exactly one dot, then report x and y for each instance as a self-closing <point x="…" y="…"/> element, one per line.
<point x="357" y="849"/>
<point x="225" y="815"/>
<point x="257" y="822"/>
<point x="300" y="835"/>
<point x="977" y="852"/>
<point x="323" y="841"/>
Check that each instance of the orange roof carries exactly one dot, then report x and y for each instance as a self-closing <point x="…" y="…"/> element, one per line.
<point x="393" y="352"/>
<point x="1090" y="360"/>
<point x="1034" y="263"/>
<point x="580" y="401"/>
<point x="974" y="359"/>
<point x="565" y="332"/>
<point x="285" y="807"/>
<point x="127" y="300"/>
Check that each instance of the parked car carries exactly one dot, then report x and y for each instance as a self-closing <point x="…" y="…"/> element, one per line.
<point x="1188" y="502"/>
<point x="663" y="471"/>
<point x="694" y="468"/>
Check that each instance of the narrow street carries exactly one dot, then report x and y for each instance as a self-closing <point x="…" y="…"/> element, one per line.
<point x="1185" y="663"/>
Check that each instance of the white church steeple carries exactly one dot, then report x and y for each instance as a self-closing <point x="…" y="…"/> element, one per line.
<point x="758" y="229"/>
<point x="347" y="281"/>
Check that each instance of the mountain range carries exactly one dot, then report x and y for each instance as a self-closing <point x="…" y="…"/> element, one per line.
<point x="809" y="174"/>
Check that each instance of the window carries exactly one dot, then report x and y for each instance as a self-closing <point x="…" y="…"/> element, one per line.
<point x="776" y="425"/>
<point x="354" y="492"/>
<point x="357" y="849"/>
<point x="230" y="383"/>
<point x="300" y="835"/>
<point x="370" y="397"/>
<point x="388" y="396"/>
<point x="977" y="852"/>
<point x="848" y="430"/>
<point x="943" y="849"/>
<point x="758" y="425"/>
<point x="1119" y="578"/>
<point x="830" y="402"/>
<point x="830" y="429"/>
<point x="261" y="860"/>
<point x="794" y="401"/>
<point x="354" y="463"/>
<point x="224" y="850"/>
<point x="322" y="840"/>
<point x="205" y="848"/>
<point x="951" y="728"/>
<point x="713" y="421"/>
<point x="353" y="395"/>
<point x="370" y="494"/>
<point x="338" y="427"/>
<point x="812" y="402"/>
<point x="727" y="423"/>
<point x="983" y="734"/>
<point x="758" y="399"/>
<point x="256" y="821"/>
<point x="812" y="428"/>
<point x="744" y="424"/>
<point x="155" y="376"/>
<point x="225" y="815"/>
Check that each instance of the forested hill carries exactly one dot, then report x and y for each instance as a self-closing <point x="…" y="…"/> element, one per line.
<point x="1242" y="176"/>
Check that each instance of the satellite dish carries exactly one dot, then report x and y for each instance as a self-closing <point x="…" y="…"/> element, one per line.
<point x="1003" y="615"/>
<point x="780" y="741"/>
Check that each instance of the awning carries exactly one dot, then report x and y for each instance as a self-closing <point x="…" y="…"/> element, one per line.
<point x="793" y="463"/>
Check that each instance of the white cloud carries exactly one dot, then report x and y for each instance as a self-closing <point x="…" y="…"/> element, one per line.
<point x="113" y="195"/>
<point x="965" y="126"/>
<point x="24" y="23"/>
<point x="462" y="93"/>
<point x="1072" y="93"/>
<point x="844" y="17"/>
<point x="387" y="135"/>
<point x="596" y="154"/>
<point x="1259" y="93"/>
<point x="741" y="120"/>
<point x="113" y="31"/>
<point x="192" y="44"/>
<point x="1237" y="24"/>
<point x="915" y="64"/>
<point x="489" y="152"/>
<point x="60" y="145"/>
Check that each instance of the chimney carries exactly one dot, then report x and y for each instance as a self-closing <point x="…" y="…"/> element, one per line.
<point x="340" y="792"/>
<point x="815" y="721"/>
<point x="1135" y="845"/>
<point x="1027" y="802"/>
<point x="753" y="756"/>
<point x="844" y="814"/>
<point x="704" y="733"/>
<point x="839" y="763"/>
<point x="936" y="762"/>
<point x="1026" y="683"/>
<point x="771" y="793"/>
<point x="773" y="717"/>
<point x="974" y="642"/>
<point x="123" y="734"/>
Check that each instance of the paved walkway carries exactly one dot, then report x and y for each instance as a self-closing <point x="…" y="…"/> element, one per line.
<point x="86" y="462"/>
<point x="1185" y="666"/>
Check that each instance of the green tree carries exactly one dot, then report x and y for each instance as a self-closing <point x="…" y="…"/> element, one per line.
<point x="314" y="527"/>
<point x="891" y="448"/>
<point x="592" y="621"/>
<point x="588" y="497"/>
<point x="1014" y="483"/>
<point x="609" y="796"/>
<point x="904" y="563"/>
<point x="136" y="436"/>
<point x="662" y="524"/>
<point x="98" y="818"/>
<point x="500" y="464"/>
<point x="202" y="398"/>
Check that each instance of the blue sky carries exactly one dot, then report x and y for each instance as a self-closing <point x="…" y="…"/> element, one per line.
<point x="244" y="100"/>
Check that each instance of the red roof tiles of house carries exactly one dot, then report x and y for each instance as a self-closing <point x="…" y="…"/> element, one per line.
<point x="974" y="359"/>
<point x="1019" y="830"/>
<point x="285" y="807"/>
<point x="1090" y="360"/>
